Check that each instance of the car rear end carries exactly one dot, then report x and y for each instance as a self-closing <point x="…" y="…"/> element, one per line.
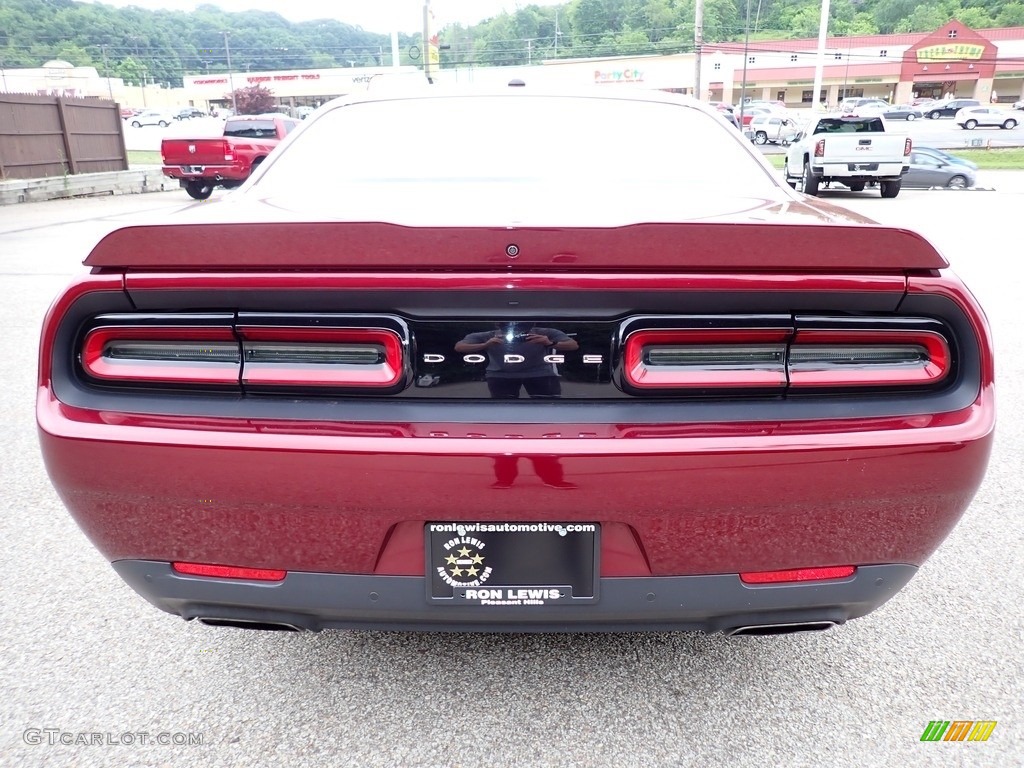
<point x="515" y="407"/>
<point x="187" y="159"/>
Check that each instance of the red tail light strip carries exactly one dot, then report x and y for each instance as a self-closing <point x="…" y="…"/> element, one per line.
<point x="826" y="358"/>
<point x="205" y="355"/>
<point x="321" y="357"/>
<point x="229" y="572"/>
<point x="798" y="574"/>
<point x="698" y="358"/>
<point x="742" y="358"/>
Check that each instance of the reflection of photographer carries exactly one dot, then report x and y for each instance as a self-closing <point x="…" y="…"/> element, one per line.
<point x="515" y="359"/>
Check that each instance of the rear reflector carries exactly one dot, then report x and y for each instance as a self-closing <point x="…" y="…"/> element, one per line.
<point x="207" y="355"/>
<point x="324" y="357"/>
<point x="229" y="572"/>
<point x="799" y="574"/>
<point x="696" y="358"/>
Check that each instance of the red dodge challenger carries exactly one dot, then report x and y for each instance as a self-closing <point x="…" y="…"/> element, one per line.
<point x="516" y="361"/>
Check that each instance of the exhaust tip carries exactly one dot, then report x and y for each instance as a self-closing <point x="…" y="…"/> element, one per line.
<point x="266" y="626"/>
<point x="780" y="629"/>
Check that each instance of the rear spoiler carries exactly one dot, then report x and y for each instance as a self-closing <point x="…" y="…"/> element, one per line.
<point x="674" y="247"/>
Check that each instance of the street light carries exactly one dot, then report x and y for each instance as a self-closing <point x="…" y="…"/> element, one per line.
<point x="231" y="80"/>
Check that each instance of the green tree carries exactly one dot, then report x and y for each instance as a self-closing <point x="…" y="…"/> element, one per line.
<point x="253" y="100"/>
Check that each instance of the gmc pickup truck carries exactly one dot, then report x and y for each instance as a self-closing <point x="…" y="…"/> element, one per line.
<point x="853" y="151"/>
<point x="199" y="165"/>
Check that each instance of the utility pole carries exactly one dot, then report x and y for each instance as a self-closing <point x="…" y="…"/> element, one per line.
<point x="231" y="80"/>
<point x="819" y="64"/>
<point x="428" y="48"/>
<point x="106" y="72"/>
<point x="558" y="32"/>
<point x="746" y="51"/>
<point x="698" y="45"/>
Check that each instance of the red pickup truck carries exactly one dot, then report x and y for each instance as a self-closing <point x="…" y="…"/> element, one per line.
<point x="228" y="160"/>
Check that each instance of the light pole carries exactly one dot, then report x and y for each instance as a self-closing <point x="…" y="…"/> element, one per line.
<point x="231" y="80"/>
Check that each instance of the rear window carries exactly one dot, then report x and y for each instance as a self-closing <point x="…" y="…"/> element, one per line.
<point x="527" y="140"/>
<point x="250" y="129"/>
<point x="838" y="125"/>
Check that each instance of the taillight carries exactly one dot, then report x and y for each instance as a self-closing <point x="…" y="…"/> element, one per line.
<point x="907" y="146"/>
<point x="133" y="349"/>
<point x="229" y="157"/>
<point x="207" y="355"/>
<point x="695" y="358"/>
<point x="819" y="148"/>
<point x="798" y="574"/>
<point x="827" y="358"/>
<point x="229" y="572"/>
<point x="321" y="357"/>
<point x="662" y="360"/>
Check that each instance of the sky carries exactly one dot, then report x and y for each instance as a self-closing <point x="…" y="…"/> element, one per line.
<point x="371" y="15"/>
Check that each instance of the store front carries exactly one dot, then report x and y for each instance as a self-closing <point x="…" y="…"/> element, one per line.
<point x="953" y="61"/>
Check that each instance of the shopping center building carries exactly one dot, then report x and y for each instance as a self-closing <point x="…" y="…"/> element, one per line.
<point x="986" y="64"/>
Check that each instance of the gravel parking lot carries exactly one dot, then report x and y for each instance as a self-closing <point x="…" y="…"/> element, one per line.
<point x="93" y="676"/>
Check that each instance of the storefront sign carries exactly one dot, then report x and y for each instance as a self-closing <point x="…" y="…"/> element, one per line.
<point x="950" y="52"/>
<point x="618" y="76"/>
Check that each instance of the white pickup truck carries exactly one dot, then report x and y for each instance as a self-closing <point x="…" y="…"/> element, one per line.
<point x="852" y="151"/>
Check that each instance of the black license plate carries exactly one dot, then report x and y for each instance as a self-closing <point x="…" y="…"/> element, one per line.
<point x="864" y="167"/>
<point x="512" y="564"/>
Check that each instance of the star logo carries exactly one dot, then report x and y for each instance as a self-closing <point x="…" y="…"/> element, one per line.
<point x="464" y="562"/>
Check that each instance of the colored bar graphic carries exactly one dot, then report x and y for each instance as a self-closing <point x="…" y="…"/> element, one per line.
<point x="982" y="730"/>
<point x="958" y="730"/>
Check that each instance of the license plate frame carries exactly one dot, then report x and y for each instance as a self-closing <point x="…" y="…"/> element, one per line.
<point x="519" y="564"/>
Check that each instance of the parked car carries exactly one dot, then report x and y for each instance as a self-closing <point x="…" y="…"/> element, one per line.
<point x="902" y="112"/>
<point x="161" y="117"/>
<point x="986" y="117"/>
<point x="946" y="157"/>
<point x="749" y="113"/>
<point x="863" y="107"/>
<point x="201" y="164"/>
<point x="127" y="112"/>
<point x="931" y="169"/>
<point x="853" y="151"/>
<point x="546" y="389"/>
<point x="771" y="129"/>
<point x="188" y="113"/>
<point x="948" y="107"/>
<point x="1018" y="105"/>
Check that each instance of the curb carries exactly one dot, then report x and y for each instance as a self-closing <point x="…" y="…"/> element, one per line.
<point x="131" y="182"/>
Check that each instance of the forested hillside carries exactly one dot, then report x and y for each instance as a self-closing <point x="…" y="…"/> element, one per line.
<point x="163" y="46"/>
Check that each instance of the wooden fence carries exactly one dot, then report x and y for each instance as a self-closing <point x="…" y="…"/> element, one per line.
<point x="45" y="136"/>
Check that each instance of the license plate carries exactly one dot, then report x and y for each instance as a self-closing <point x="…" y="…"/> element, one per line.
<point x="512" y="564"/>
<point x="192" y="169"/>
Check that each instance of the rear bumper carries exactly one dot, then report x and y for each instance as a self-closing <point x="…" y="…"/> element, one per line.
<point x="336" y="497"/>
<point x="885" y="171"/>
<point x="213" y="173"/>
<point x="315" y="601"/>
